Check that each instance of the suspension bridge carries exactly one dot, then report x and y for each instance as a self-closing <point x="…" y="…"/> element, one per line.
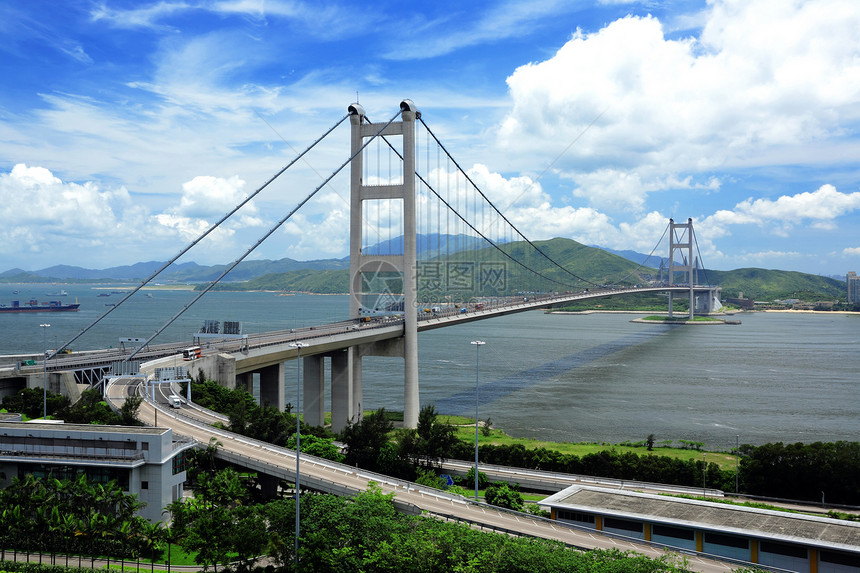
<point x="428" y="249"/>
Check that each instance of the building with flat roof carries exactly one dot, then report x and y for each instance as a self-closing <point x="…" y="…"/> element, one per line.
<point x="785" y="540"/>
<point x="853" y="288"/>
<point x="144" y="461"/>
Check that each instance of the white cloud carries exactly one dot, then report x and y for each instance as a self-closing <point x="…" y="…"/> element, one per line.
<point x="211" y="197"/>
<point x="313" y="238"/>
<point x="46" y="215"/>
<point x="820" y="207"/>
<point x="765" y="79"/>
<point x="851" y="251"/>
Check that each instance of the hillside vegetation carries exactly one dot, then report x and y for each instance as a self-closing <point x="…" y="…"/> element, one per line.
<point x="763" y="284"/>
<point x="595" y="266"/>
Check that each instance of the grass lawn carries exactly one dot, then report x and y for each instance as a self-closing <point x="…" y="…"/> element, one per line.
<point x="466" y="432"/>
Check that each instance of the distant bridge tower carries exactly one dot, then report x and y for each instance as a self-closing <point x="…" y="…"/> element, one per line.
<point x="681" y="239"/>
<point x="364" y="268"/>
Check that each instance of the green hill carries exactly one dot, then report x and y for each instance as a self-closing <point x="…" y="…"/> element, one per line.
<point x="768" y="285"/>
<point x="593" y="265"/>
<point x="303" y="280"/>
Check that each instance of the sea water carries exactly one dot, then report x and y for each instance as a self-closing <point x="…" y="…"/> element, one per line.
<point x="580" y="377"/>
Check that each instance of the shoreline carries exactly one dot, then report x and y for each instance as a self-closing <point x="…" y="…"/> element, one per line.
<point x="658" y="313"/>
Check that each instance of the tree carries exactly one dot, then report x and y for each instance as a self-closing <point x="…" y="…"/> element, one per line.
<point x="31" y="402"/>
<point x="430" y="442"/>
<point x="366" y="439"/>
<point x="502" y="495"/>
<point x="129" y="409"/>
<point x="319" y="447"/>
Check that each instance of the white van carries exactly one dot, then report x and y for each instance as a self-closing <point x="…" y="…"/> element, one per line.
<point x="175" y="401"/>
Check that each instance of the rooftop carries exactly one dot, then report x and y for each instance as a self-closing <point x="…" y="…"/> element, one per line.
<point x="93" y="428"/>
<point x="777" y="525"/>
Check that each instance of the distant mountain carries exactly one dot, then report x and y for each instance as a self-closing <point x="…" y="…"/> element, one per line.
<point x="428" y="246"/>
<point x="185" y="272"/>
<point x="594" y="265"/>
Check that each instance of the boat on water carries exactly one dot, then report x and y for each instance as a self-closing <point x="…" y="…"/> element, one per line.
<point x="60" y="293"/>
<point x="35" y="306"/>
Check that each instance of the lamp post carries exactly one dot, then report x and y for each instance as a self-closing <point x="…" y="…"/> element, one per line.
<point x="298" y="346"/>
<point x="737" y="460"/>
<point x="704" y="474"/>
<point x="45" y="370"/>
<point x="478" y="344"/>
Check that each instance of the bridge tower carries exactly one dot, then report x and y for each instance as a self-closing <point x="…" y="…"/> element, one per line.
<point x="681" y="239"/>
<point x="364" y="267"/>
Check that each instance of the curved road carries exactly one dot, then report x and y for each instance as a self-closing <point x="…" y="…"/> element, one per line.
<point x="344" y="480"/>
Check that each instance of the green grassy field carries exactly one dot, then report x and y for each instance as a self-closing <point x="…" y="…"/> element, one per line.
<point x="465" y="430"/>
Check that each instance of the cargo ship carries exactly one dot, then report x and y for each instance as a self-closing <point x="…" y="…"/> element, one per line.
<point x="35" y="306"/>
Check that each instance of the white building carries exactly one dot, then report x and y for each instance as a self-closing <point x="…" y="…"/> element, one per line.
<point x="853" y="287"/>
<point x="144" y="461"/>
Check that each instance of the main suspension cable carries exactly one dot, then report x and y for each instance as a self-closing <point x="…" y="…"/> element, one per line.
<point x="260" y="241"/>
<point x="642" y="265"/>
<point x="471" y="226"/>
<point x="466" y="175"/>
<point x="198" y="239"/>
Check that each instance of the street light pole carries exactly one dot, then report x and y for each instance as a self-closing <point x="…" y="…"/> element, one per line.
<point x="704" y="474"/>
<point x="45" y="370"/>
<point x="478" y="344"/>
<point x="298" y="346"/>
<point x="737" y="460"/>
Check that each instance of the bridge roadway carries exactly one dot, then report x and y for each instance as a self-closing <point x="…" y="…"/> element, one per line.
<point x="326" y="476"/>
<point x="262" y="349"/>
<point x="271" y="348"/>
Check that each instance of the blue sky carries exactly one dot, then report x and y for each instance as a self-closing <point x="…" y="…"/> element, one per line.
<point x="126" y="127"/>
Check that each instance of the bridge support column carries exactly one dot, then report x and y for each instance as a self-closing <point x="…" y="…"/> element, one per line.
<point x="681" y="240"/>
<point x="357" y="412"/>
<point x="373" y="266"/>
<point x="268" y="485"/>
<point x="272" y="386"/>
<point x="341" y="389"/>
<point x="245" y="381"/>
<point x="313" y="390"/>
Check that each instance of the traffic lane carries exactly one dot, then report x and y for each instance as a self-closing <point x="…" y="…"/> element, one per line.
<point x="466" y="511"/>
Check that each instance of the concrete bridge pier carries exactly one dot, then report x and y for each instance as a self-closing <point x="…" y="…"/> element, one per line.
<point x="313" y="389"/>
<point x="245" y="381"/>
<point x="268" y="485"/>
<point x="272" y="386"/>
<point x="345" y="387"/>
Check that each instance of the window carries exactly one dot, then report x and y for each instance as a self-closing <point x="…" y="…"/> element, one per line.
<point x="676" y="532"/>
<point x="838" y="558"/>
<point x="144" y="485"/>
<point x="625" y="524"/>
<point x="575" y="516"/>
<point x="179" y="463"/>
<point x="783" y="549"/>
<point x="727" y="540"/>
